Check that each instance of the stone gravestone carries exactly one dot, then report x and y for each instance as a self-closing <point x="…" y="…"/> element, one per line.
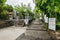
<point x="26" y="21"/>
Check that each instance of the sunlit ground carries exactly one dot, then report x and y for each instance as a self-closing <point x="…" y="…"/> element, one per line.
<point x="11" y="33"/>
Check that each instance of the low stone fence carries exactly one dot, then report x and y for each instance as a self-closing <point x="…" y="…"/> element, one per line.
<point x="7" y="23"/>
<point x="52" y="34"/>
<point x="4" y="24"/>
<point x="55" y="35"/>
<point x="58" y="35"/>
<point x="20" y="23"/>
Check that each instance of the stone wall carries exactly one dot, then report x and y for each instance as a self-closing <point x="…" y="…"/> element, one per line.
<point x="4" y="24"/>
<point x="52" y="34"/>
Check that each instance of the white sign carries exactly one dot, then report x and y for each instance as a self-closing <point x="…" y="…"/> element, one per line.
<point x="52" y="23"/>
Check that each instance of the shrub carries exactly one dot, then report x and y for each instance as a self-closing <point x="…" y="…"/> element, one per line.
<point x="4" y="15"/>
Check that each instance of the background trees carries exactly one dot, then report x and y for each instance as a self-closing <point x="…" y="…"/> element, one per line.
<point x="2" y="2"/>
<point x="9" y="8"/>
<point x="4" y="9"/>
<point x="37" y="12"/>
<point x="24" y="10"/>
<point x="48" y="6"/>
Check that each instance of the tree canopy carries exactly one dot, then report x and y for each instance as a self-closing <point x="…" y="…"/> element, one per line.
<point x="24" y="11"/>
<point x="2" y="2"/>
<point x="9" y="8"/>
<point x="4" y="8"/>
<point x="48" y="6"/>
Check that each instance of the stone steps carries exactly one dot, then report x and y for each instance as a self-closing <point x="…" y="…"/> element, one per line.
<point x="38" y="34"/>
<point x="34" y="35"/>
<point x="25" y="37"/>
<point x="41" y="28"/>
<point x="35" y="31"/>
<point x="37" y="23"/>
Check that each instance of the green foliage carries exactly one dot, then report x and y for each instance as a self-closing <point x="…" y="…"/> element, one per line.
<point x="9" y="8"/>
<point x="4" y="8"/>
<point x="4" y="15"/>
<point x="49" y="7"/>
<point x="2" y="2"/>
<point x="37" y="12"/>
<point x="24" y="11"/>
<point x="41" y="4"/>
<point x="21" y="11"/>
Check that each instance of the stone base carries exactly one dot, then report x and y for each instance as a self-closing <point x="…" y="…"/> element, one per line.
<point x="52" y="34"/>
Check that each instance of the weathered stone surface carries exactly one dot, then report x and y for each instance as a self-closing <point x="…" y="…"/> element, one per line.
<point x="29" y="37"/>
<point x="25" y="37"/>
<point x="36" y="27"/>
<point x="35" y="32"/>
<point x="36" y="22"/>
<point x="38" y="34"/>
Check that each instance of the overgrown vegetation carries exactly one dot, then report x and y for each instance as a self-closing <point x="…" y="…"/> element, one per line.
<point x="4" y="9"/>
<point x="50" y="7"/>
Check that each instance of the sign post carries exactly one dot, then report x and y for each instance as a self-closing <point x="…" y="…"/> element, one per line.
<point x="52" y="24"/>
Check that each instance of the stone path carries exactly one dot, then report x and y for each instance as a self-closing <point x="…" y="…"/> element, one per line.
<point x="35" y="31"/>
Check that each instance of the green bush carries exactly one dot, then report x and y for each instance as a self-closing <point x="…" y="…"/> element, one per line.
<point x="4" y="15"/>
<point x="58" y="26"/>
<point x="58" y="21"/>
